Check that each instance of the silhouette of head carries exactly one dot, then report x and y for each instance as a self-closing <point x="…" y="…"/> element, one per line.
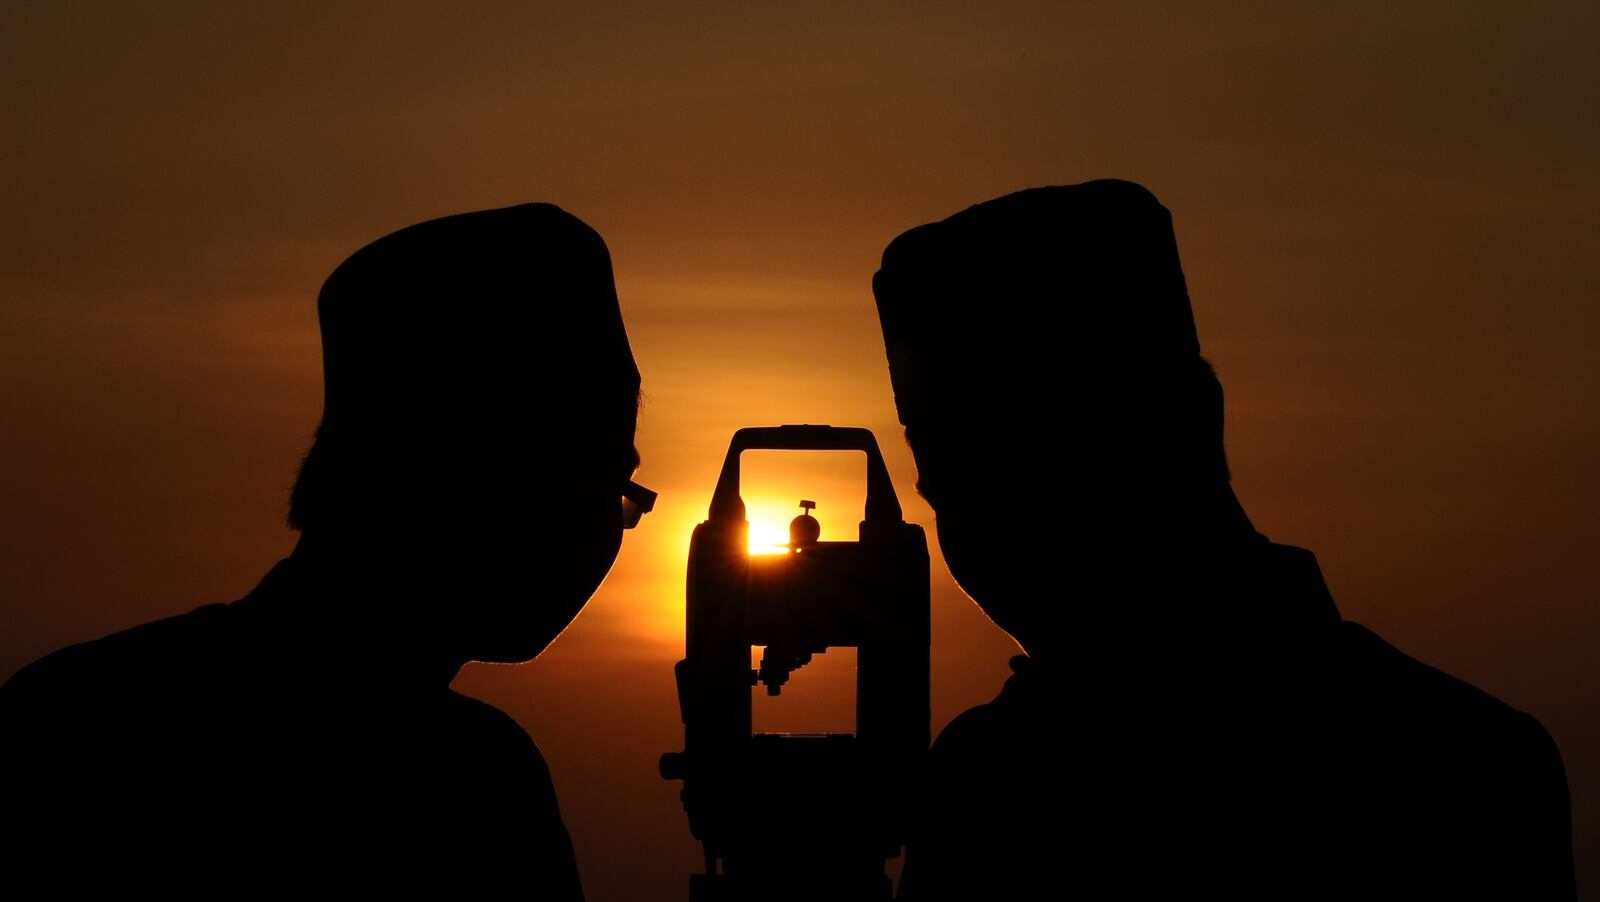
<point x="1046" y="367"/>
<point x="477" y="429"/>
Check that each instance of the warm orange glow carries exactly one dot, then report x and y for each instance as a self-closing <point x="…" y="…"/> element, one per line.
<point x="1398" y="304"/>
<point x="820" y="697"/>
<point x="774" y="482"/>
<point x="769" y="531"/>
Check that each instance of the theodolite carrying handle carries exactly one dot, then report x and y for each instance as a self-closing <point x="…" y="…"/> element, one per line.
<point x="882" y="505"/>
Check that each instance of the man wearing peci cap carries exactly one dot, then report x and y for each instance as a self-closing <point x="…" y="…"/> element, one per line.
<point x="466" y="492"/>
<point x="1191" y="713"/>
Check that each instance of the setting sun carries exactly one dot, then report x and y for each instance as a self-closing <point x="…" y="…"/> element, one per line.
<point x="768" y="535"/>
<point x="774" y="483"/>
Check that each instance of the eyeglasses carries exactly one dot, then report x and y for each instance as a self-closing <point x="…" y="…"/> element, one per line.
<point x="636" y="502"/>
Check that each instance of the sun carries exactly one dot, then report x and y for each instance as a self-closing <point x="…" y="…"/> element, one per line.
<point x="769" y="518"/>
<point x="777" y="486"/>
<point x="767" y="536"/>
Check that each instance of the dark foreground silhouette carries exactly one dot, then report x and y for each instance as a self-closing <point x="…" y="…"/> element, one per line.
<point x="798" y="817"/>
<point x="463" y="498"/>
<point x="1192" y="716"/>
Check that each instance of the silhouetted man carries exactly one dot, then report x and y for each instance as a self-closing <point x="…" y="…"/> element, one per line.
<point x="1192" y="716"/>
<point x="465" y="494"/>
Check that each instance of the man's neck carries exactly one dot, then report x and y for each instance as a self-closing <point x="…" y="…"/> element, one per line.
<point x="1194" y="523"/>
<point x="1163" y="585"/>
<point x="357" y="614"/>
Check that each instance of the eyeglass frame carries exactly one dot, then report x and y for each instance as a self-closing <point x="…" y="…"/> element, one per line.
<point x="636" y="502"/>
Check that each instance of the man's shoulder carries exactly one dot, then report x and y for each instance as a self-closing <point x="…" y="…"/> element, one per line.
<point x="121" y="661"/>
<point x="969" y="729"/>
<point x="493" y="738"/>
<point x="1353" y="669"/>
<point x="1484" y="779"/>
<point x="995" y="728"/>
<point x="1398" y="728"/>
<point x="1372" y="672"/>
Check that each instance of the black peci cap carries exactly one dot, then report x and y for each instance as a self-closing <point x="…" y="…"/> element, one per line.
<point x="1017" y="288"/>
<point x="495" y="312"/>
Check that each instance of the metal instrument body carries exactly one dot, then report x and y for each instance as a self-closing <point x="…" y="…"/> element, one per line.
<point x="791" y="815"/>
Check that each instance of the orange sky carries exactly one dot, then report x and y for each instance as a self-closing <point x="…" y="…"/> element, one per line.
<point x="1388" y="218"/>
